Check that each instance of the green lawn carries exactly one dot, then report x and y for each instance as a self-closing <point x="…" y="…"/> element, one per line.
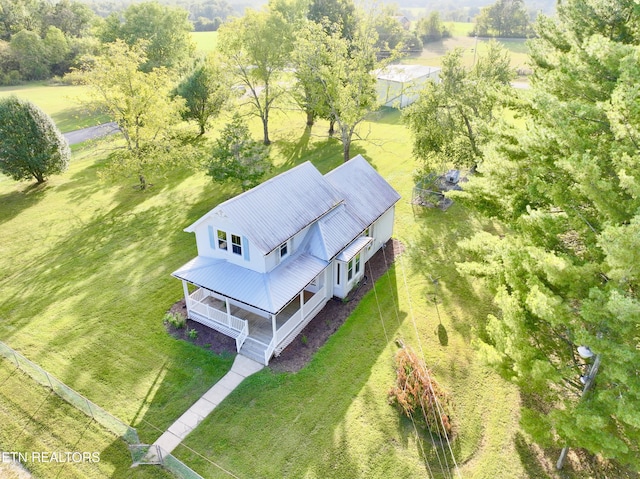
<point x="205" y="41"/>
<point x="34" y="420"/>
<point x="61" y="102"/>
<point x="85" y="275"/>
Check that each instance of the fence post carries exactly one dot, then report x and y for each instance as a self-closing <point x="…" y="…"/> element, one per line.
<point x="49" y="379"/>
<point x="90" y="410"/>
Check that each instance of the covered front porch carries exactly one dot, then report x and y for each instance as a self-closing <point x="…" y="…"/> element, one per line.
<point x="258" y="334"/>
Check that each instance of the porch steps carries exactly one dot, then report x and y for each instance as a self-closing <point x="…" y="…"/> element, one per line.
<point x="253" y="349"/>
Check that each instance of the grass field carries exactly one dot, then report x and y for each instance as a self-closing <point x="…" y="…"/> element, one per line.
<point x="85" y="279"/>
<point x="62" y="103"/>
<point x="205" y="41"/>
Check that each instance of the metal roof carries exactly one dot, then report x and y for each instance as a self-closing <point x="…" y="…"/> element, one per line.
<point x="269" y="292"/>
<point x="339" y="207"/>
<point x="333" y="232"/>
<point x="405" y="73"/>
<point x="367" y="195"/>
<point x="274" y="211"/>
<point x="354" y="248"/>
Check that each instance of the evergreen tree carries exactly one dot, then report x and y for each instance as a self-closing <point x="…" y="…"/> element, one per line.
<point x="566" y="274"/>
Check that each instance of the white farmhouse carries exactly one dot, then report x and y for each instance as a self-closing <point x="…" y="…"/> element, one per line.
<point x="399" y="85"/>
<point x="270" y="259"/>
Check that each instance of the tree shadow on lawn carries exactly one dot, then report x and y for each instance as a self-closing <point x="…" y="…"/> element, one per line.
<point x="296" y="424"/>
<point x="435" y="253"/>
<point x="17" y="201"/>
<point x="113" y="274"/>
<point x="313" y="145"/>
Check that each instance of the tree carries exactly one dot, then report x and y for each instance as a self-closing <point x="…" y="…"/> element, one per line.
<point x="342" y="69"/>
<point x="566" y="185"/>
<point x="57" y="50"/>
<point x="205" y="90"/>
<point x="237" y="157"/>
<point x="431" y="28"/>
<point x="141" y="105"/>
<point x="165" y="31"/>
<point x="450" y="119"/>
<point x="31" y="54"/>
<point x="256" y="49"/>
<point x="505" y="18"/>
<point x="17" y="15"/>
<point x="31" y="146"/>
<point x="335" y="15"/>
<point x="393" y="36"/>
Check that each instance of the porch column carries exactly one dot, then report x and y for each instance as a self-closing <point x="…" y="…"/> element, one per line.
<point x="228" y="306"/>
<point x="185" y="288"/>
<point x="302" y="304"/>
<point x="273" y="325"/>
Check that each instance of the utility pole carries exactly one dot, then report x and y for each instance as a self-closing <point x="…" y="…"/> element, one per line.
<point x="585" y="352"/>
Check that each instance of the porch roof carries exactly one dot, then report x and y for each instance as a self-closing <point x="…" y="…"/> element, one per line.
<point x="354" y="248"/>
<point x="270" y="292"/>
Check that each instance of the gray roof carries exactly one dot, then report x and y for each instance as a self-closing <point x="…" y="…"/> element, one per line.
<point x="269" y="292"/>
<point x="274" y="211"/>
<point x="339" y="207"/>
<point x="367" y="195"/>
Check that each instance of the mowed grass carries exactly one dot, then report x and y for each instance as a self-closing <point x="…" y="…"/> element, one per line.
<point x="34" y="420"/>
<point x="205" y="41"/>
<point x="62" y="102"/>
<point x="85" y="276"/>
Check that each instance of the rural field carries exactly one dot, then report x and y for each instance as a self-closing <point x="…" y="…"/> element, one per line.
<point x="85" y="277"/>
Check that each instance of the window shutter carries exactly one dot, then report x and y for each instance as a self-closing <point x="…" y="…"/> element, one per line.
<point x="245" y="248"/>
<point x="212" y="238"/>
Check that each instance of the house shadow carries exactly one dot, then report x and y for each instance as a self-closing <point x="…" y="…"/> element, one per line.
<point x="303" y="413"/>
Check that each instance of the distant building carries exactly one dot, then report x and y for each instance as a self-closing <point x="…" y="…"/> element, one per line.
<point x="404" y="21"/>
<point x="399" y="85"/>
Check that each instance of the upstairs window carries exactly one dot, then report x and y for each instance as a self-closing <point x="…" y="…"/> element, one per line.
<point x="222" y="240"/>
<point x="236" y="244"/>
<point x="284" y="250"/>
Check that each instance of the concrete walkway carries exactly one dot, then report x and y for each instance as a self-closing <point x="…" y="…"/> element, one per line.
<point x="172" y="437"/>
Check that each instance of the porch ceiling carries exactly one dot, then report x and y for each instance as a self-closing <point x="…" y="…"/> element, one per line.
<point x="269" y="292"/>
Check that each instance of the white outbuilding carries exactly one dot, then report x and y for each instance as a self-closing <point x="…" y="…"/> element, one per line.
<point x="399" y="85"/>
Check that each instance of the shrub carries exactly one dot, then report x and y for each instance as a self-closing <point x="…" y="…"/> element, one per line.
<point x="192" y="333"/>
<point x="177" y="320"/>
<point x="419" y="396"/>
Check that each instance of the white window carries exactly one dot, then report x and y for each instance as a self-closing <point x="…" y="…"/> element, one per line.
<point x="350" y="270"/>
<point x="236" y="244"/>
<point x="222" y="240"/>
<point x="357" y="263"/>
<point x="284" y="250"/>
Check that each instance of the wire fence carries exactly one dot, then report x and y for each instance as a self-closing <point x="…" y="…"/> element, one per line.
<point x="140" y="453"/>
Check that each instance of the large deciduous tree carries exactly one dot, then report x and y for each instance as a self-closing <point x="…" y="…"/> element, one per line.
<point x="165" y="31"/>
<point x="205" y="90"/>
<point x="237" y="157"/>
<point x="256" y="49"/>
<point x="341" y="76"/>
<point x="31" y="146"/>
<point x="140" y="103"/>
<point x="567" y="271"/>
<point x="449" y="120"/>
<point x="505" y="18"/>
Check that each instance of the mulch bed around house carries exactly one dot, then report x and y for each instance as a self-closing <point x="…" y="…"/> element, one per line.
<point x="295" y="356"/>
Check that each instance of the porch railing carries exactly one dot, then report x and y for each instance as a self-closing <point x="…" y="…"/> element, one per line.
<point x="197" y="304"/>
<point x="295" y="320"/>
<point x="242" y="336"/>
<point x="270" y="349"/>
